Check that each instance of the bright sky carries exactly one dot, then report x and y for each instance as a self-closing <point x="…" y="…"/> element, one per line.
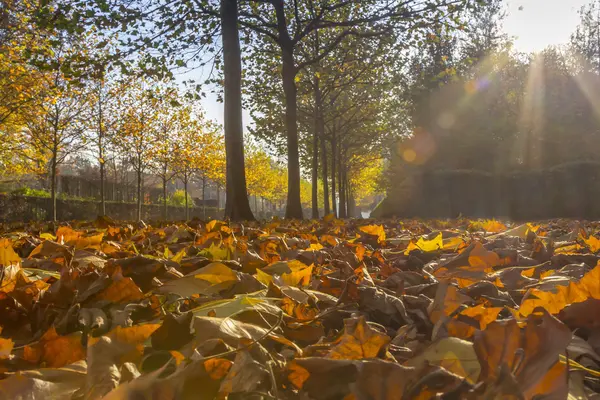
<point x="541" y="23"/>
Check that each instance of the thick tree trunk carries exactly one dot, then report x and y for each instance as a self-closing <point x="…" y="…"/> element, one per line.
<point x="237" y="206"/>
<point x="333" y="150"/>
<point x="315" y="174"/>
<point x="293" y="208"/>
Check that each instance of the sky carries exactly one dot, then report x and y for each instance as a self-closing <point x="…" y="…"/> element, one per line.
<point x="540" y="23"/>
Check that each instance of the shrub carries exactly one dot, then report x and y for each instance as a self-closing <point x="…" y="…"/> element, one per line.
<point x="178" y="199"/>
<point x="27" y="191"/>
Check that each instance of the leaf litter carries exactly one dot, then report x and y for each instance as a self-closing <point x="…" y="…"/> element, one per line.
<point x="330" y="309"/>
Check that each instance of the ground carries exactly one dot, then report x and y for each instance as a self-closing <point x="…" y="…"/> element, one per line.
<point x="329" y="309"/>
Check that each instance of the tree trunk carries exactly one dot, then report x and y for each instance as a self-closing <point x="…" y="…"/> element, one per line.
<point x="165" y="209"/>
<point x="204" y="197"/>
<point x="139" y="193"/>
<point x="324" y="176"/>
<point x="102" y="196"/>
<point x="218" y="197"/>
<point x="237" y="206"/>
<point x="315" y="174"/>
<point x="101" y="158"/>
<point x="316" y="134"/>
<point x="185" y="189"/>
<point x="333" y="149"/>
<point x="53" y="186"/>
<point x="294" y="206"/>
<point x="352" y="212"/>
<point x="341" y="191"/>
<point x="255" y="205"/>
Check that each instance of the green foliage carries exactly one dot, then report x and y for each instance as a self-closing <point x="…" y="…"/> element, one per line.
<point x="177" y="199"/>
<point x="27" y="191"/>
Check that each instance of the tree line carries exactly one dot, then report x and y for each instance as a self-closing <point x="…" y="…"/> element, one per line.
<point x="332" y="87"/>
<point x="318" y="66"/>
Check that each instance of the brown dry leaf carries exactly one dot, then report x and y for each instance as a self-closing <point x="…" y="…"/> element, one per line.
<point x="55" y="351"/>
<point x="244" y="376"/>
<point x="121" y="291"/>
<point x="44" y="383"/>
<point x="217" y="368"/>
<point x="6" y="347"/>
<point x="130" y="335"/>
<point x="447" y="300"/>
<point x="215" y="273"/>
<point x="300" y="311"/>
<point x="7" y="253"/>
<point x="592" y="243"/>
<point x="66" y="234"/>
<point x="358" y="341"/>
<point x="530" y="352"/>
<point x="474" y="262"/>
<point x="554" y="302"/>
<point x="291" y="273"/>
<point x="453" y="354"/>
<point x="87" y="242"/>
<point x="484" y="315"/>
<point x="374" y="230"/>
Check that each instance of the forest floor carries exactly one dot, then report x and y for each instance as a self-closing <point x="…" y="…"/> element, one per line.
<point x="329" y="309"/>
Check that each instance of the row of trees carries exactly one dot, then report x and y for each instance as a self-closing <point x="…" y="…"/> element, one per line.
<point x="53" y="111"/>
<point x="76" y="100"/>
<point x="317" y="74"/>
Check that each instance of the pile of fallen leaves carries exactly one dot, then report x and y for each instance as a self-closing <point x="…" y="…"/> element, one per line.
<point x="325" y="309"/>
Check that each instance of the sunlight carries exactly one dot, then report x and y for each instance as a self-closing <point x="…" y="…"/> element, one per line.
<point x="486" y="71"/>
<point x="531" y="122"/>
<point x="586" y="84"/>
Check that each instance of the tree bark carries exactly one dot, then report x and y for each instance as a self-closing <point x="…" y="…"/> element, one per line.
<point x="333" y="159"/>
<point x="237" y="206"/>
<point x="53" y="186"/>
<point x="218" y="196"/>
<point x="139" y="192"/>
<point x="102" y="196"/>
<point x="315" y="174"/>
<point x="165" y="209"/>
<point x="293" y="208"/>
<point x="203" y="197"/>
<point x="341" y="191"/>
<point x="185" y="189"/>
<point x="324" y="176"/>
<point x="101" y="155"/>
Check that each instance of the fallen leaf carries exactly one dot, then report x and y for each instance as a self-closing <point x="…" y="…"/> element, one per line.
<point x="358" y="341"/>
